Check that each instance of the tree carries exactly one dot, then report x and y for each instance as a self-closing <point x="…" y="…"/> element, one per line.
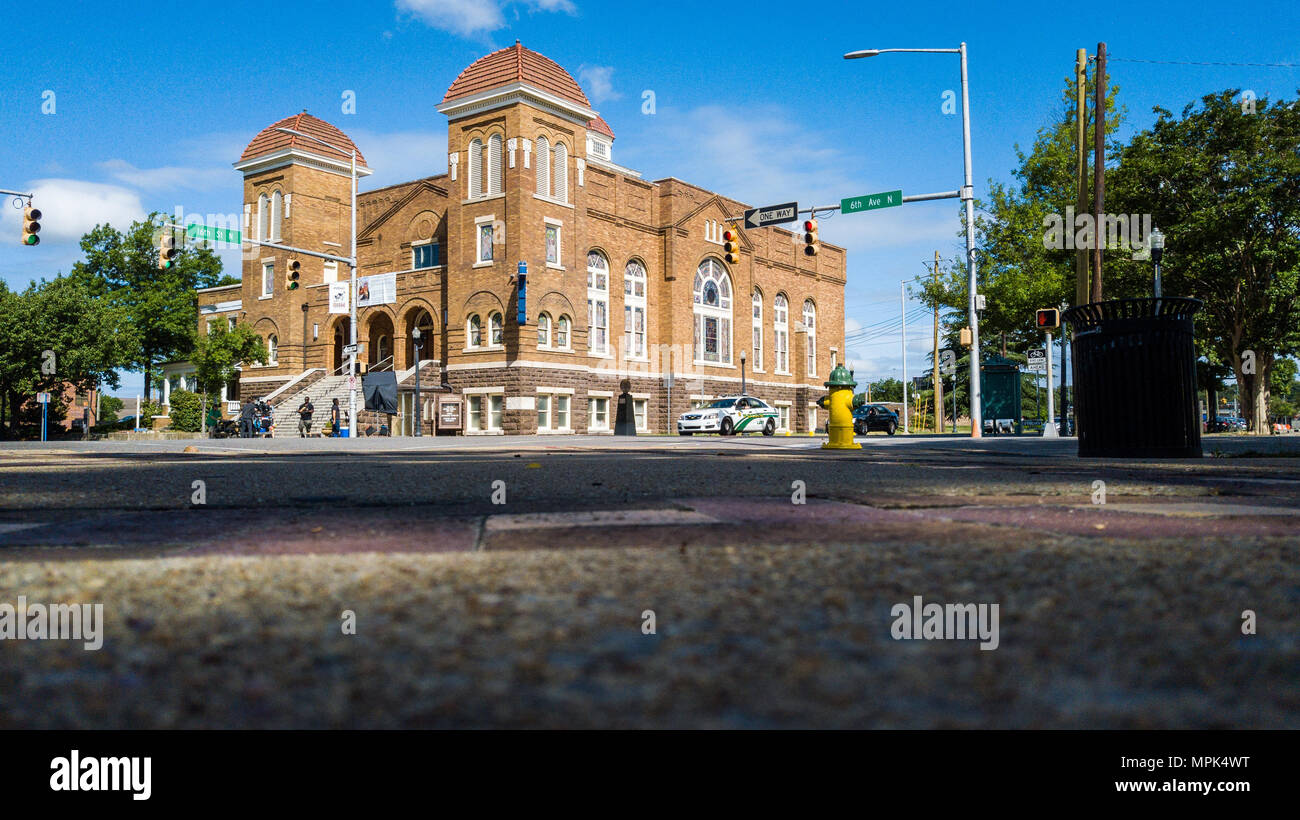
<point x="1019" y="269"/>
<point x="161" y="306"/>
<point x="57" y="334"/>
<point x="108" y="409"/>
<point x="1224" y="187"/>
<point x="220" y="353"/>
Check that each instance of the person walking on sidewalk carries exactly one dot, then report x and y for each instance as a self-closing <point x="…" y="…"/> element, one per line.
<point x="305" y="411"/>
<point x="335" y="413"/>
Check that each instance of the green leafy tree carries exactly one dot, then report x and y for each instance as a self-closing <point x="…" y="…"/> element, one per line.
<point x="220" y="353"/>
<point x="108" y="409"/>
<point x="186" y="411"/>
<point x="1224" y="187"/>
<point x="161" y="306"/>
<point x="56" y="334"/>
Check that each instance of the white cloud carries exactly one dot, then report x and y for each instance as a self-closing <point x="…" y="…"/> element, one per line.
<point x="470" y="18"/>
<point x="71" y="207"/>
<point x="597" y="81"/>
<point x="401" y="156"/>
<point x="168" y="178"/>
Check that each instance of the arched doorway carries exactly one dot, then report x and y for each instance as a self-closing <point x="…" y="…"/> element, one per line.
<point x="342" y="337"/>
<point x="380" y="338"/>
<point x="421" y="318"/>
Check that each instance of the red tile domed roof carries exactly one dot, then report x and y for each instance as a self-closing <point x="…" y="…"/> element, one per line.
<point x="600" y="127"/>
<point x="516" y="64"/>
<point x="270" y="140"/>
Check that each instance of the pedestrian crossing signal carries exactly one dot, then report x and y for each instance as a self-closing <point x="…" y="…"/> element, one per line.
<point x="31" y="226"/>
<point x="294" y="274"/>
<point x="731" y="246"/>
<point x="1048" y="319"/>
<point x="810" y="237"/>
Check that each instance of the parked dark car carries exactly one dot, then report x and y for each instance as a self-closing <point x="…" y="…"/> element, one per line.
<point x="871" y="417"/>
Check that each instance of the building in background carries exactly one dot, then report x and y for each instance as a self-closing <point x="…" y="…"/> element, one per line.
<point x="626" y="278"/>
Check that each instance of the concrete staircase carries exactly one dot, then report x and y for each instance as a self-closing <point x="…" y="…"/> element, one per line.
<point x="322" y="392"/>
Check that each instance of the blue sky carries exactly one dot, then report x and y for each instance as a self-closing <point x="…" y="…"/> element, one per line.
<point x="753" y="99"/>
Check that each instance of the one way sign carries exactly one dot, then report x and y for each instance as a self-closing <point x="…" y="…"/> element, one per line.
<point x="771" y="215"/>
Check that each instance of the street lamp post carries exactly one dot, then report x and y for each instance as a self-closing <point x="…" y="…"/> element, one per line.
<point x="352" y="267"/>
<point x="419" y="422"/>
<point x="742" y="372"/>
<point x="1157" y="251"/>
<point x="968" y="197"/>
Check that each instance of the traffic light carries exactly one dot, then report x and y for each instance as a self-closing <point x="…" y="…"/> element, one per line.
<point x="810" y="237"/>
<point x="31" y="226"/>
<point x="731" y="245"/>
<point x="295" y="273"/>
<point x="1048" y="319"/>
<point x="167" y="251"/>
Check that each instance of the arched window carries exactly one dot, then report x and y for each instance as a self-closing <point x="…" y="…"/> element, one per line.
<point x="277" y="211"/>
<point x="544" y="330"/>
<point x="494" y="164"/>
<point x="560" y="179"/>
<point x="562" y="333"/>
<point x="597" y="303"/>
<point x="272" y="349"/>
<point x="634" y="304"/>
<point x="263" y="217"/>
<point x="781" y="332"/>
<point x="475" y="168"/>
<point x="810" y="324"/>
<point x="757" y="354"/>
<point x="712" y="313"/>
<point x="494" y="323"/>
<point x="543" y="166"/>
<point x="474" y="331"/>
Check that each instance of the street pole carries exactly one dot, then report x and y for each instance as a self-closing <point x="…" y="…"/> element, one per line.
<point x="1098" y="168"/>
<point x="938" y="381"/>
<point x="902" y="341"/>
<point x="418" y="420"/>
<point x="968" y="195"/>
<point x="352" y="358"/>
<point x="1081" y="289"/>
<point x="1049" y="427"/>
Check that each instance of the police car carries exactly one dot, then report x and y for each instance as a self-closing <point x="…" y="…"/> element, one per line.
<point x="730" y="415"/>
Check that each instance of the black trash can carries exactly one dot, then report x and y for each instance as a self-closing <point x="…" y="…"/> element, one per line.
<point x="1135" y="378"/>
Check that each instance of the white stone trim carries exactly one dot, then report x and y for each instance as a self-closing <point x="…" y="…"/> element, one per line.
<point x="521" y="403"/>
<point x="567" y="391"/>
<point x="453" y="162"/>
<point x="601" y="394"/>
<point x="516" y="92"/>
<point x="291" y="156"/>
<point x="476" y="391"/>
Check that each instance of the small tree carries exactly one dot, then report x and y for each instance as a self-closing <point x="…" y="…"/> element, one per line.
<point x="186" y="411"/>
<point x="219" y="354"/>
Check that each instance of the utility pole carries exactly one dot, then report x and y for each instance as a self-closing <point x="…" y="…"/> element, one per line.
<point x="938" y="381"/>
<point x="1049" y="426"/>
<point x="1098" y="168"/>
<point x="1081" y="286"/>
<point x="902" y="341"/>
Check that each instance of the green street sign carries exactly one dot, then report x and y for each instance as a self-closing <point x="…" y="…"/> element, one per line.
<point x="871" y="202"/>
<point x="203" y="233"/>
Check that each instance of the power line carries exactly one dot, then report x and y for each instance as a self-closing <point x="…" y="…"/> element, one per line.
<point x="1199" y="62"/>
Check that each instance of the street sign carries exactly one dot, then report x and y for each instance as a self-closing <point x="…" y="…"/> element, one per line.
<point x="1037" y="360"/>
<point x="870" y="202"/>
<point x="43" y="398"/>
<point x="206" y="234"/>
<point x="771" y="215"/>
<point x="348" y="350"/>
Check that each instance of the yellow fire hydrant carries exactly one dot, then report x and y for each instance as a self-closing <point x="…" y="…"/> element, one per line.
<point x="840" y="402"/>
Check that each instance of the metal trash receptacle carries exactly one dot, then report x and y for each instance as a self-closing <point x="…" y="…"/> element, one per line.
<point x="1134" y="369"/>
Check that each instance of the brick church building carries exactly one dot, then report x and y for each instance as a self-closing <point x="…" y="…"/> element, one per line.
<point x="626" y="277"/>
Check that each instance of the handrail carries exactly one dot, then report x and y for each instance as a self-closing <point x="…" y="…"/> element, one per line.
<point x="282" y="388"/>
<point x="380" y="365"/>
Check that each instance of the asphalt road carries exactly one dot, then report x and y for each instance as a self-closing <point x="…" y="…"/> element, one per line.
<point x="509" y="582"/>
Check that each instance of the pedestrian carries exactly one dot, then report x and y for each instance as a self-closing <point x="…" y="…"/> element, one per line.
<point x="305" y="411"/>
<point x="335" y="414"/>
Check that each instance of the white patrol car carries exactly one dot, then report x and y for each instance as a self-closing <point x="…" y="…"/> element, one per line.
<point x="730" y="415"/>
